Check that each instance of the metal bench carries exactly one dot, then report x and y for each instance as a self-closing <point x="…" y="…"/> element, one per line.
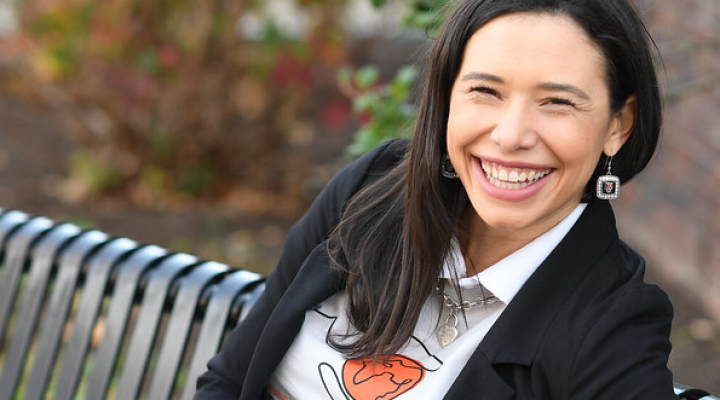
<point x="84" y="314"/>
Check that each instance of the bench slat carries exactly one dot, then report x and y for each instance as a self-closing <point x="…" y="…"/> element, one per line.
<point x="100" y="266"/>
<point x="174" y="343"/>
<point x="9" y="221"/>
<point x="33" y="296"/>
<point x="156" y="290"/>
<point x="18" y="256"/>
<point x="51" y="330"/>
<point x="215" y="323"/>
<point x="246" y="301"/>
<point x="129" y="273"/>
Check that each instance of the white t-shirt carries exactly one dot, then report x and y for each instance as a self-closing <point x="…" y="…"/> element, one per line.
<point x="423" y="369"/>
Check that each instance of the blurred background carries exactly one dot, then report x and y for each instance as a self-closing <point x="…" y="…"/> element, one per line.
<point x="208" y="127"/>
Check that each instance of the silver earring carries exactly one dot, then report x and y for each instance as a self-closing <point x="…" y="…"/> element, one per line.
<point x="448" y="170"/>
<point x="608" y="185"/>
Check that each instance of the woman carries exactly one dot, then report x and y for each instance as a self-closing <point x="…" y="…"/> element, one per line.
<point x="480" y="259"/>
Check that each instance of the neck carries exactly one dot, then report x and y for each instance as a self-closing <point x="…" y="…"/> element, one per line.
<point x="483" y="245"/>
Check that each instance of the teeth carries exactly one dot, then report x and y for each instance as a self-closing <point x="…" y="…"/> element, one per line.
<point x="515" y="178"/>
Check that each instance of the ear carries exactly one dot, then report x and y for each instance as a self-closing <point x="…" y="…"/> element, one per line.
<point x="621" y="127"/>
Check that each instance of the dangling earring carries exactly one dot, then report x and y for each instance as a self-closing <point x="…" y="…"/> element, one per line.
<point x="448" y="170"/>
<point x="608" y="185"/>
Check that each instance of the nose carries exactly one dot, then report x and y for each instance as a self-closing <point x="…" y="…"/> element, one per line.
<point x="514" y="129"/>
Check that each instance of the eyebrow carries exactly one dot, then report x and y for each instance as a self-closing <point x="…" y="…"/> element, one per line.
<point x="481" y="76"/>
<point x="560" y="87"/>
<point x="564" y="88"/>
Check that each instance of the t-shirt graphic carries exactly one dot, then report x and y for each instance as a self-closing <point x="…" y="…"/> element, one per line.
<point x="313" y="369"/>
<point x="365" y="379"/>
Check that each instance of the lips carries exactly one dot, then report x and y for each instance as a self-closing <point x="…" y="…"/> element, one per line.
<point x="511" y="181"/>
<point x="506" y="177"/>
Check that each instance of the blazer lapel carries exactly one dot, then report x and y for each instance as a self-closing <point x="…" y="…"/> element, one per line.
<point x="315" y="282"/>
<point x="517" y="334"/>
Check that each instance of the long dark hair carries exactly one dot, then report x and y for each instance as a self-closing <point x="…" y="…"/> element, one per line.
<point x="395" y="233"/>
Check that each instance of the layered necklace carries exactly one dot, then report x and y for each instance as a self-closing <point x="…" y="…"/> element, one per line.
<point x="447" y="332"/>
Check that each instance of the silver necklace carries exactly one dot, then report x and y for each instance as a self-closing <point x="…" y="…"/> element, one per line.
<point x="447" y="332"/>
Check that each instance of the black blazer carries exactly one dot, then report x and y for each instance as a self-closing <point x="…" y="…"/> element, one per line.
<point x="584" y="326"/>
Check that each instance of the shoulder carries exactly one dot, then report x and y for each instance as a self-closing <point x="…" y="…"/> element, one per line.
<point x="625" y="351"/>
<point x="633" y="298"/>
<point x="391" y="152"/>
<point x="616" y="291"/>
<point x="627" y="269"/>
<point x="623" y="332"/>
<point x="358" y="174"/>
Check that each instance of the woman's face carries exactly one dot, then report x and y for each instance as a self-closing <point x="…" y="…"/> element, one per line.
<point x="529" y="118"/>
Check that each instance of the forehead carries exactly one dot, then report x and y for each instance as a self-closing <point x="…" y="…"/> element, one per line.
<point x="527" y="40"/>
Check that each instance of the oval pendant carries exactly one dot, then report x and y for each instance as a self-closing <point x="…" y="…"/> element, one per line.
<point x="446" y="335"/>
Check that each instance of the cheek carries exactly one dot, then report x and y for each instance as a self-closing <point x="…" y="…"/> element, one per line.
<point x="455" y="131"/>
<point x="580" y="151"/>
<point x="464" y="125"/>
<point x="454" y="120"/>
<point x="576" y="142"/>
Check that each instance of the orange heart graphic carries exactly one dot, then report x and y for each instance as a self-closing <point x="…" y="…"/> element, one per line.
<point x="383" y="380"/>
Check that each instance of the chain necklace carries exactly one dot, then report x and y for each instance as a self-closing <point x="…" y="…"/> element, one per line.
<point x="447" y="333"/>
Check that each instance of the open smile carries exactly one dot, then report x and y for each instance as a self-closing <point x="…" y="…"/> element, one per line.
<point x="505" y="177"/>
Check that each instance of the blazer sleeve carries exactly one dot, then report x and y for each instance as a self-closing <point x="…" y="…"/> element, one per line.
<point x="227" y="370"/>
<point x="625" y="354"/>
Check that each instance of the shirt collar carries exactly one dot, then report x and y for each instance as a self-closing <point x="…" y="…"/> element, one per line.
<point x="505" y="278"/>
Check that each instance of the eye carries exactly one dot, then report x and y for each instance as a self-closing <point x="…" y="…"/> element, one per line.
<point x="561" y="101"/>
<point x="485" y="90"/>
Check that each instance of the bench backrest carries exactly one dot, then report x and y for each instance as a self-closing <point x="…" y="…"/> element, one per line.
<point x="84" y="315"/>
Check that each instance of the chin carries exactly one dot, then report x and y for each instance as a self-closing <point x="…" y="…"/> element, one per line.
<point x="509" y="225"/>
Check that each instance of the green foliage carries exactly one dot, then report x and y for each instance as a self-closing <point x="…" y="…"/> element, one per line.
<point x="426" y="14"/>
<point x="98" y="177"/>
<point x="386" y="110"/>
<point x="196" y="180"/>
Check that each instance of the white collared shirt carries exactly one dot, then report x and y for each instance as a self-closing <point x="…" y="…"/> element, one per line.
<point x="505" y="278"/>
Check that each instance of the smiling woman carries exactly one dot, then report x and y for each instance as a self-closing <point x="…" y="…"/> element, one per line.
<point x="529" y="118"/>
<point x="479" y="259"/>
